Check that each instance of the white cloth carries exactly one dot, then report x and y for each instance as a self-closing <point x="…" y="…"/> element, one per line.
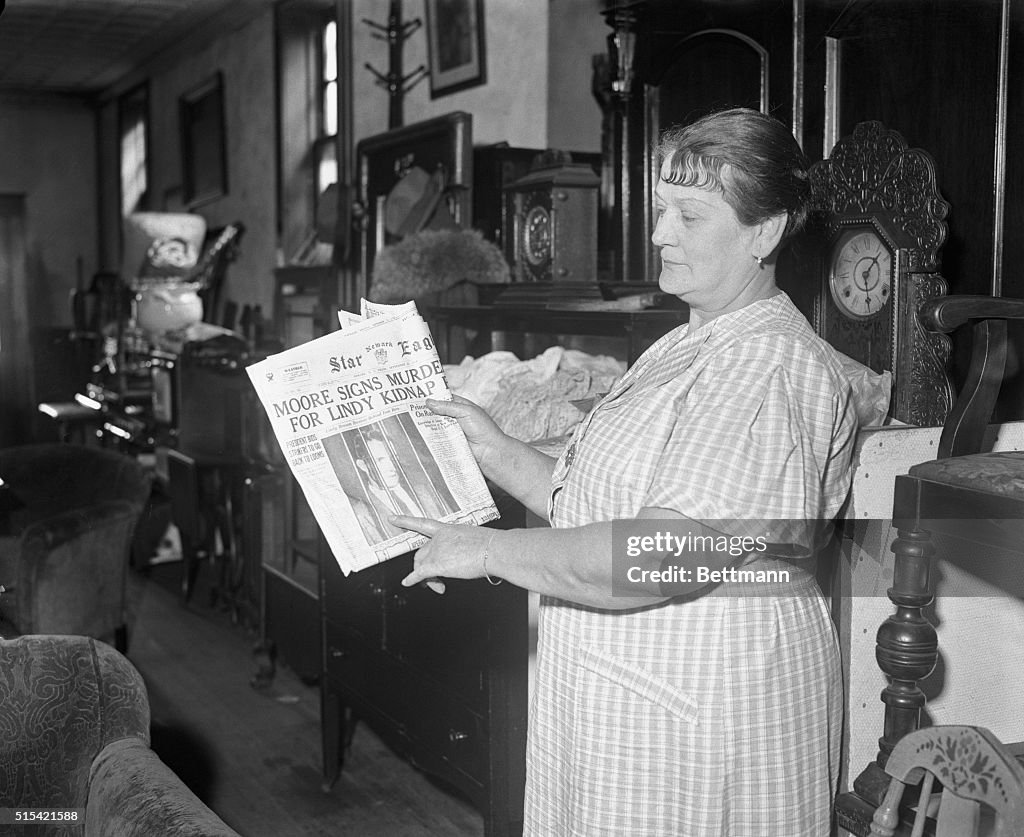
<point x="719" y="715"/>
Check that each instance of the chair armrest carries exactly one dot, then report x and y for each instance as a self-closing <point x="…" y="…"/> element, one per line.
<point x="947" y="313"/>
<point x="964" y="428"/>
<point x="134" y="794"/>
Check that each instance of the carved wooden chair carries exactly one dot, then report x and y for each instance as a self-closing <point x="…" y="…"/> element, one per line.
<point x="973" y="497"/>
<point x="971" y="785"/>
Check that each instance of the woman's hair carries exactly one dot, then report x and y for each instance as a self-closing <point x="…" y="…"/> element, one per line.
<point x="748" y="156"/>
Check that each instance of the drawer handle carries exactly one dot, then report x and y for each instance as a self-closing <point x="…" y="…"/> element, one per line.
<point x="337" y="653"/>
<point x="457" y="735"/>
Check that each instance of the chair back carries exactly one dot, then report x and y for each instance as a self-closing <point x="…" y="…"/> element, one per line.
<point x="970" y="785"/>
<point x="52" y="478"/>
<point x="62" y="700"/>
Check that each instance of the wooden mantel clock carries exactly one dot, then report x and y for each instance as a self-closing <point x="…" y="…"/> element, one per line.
<point x="553" y="214"/>
<point x="882" y="221"/>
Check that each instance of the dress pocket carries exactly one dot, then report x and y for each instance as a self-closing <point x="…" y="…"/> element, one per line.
<point x="641" y="683"/>
<point x="639" y="755"/>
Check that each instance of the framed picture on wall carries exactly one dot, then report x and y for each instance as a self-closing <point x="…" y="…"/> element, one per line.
<point x="203" y="143"/>
<point x="455" y="45"/>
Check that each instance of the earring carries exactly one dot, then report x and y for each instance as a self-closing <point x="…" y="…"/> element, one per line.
<point x="760" y="261"/>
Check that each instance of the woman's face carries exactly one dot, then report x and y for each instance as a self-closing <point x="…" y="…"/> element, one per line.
<point x="385" y="464"/>
<point x="707" y="254"/>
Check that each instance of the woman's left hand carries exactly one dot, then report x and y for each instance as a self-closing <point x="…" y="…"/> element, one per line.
<point x="453" y="551"/>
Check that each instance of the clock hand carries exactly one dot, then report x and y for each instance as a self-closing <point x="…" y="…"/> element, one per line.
<point x="866" y="273"/>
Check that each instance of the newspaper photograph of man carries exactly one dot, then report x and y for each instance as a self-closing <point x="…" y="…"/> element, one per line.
<point x="386" y="468"/>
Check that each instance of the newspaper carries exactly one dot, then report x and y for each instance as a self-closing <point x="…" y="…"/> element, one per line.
<point x="347" y="409"/>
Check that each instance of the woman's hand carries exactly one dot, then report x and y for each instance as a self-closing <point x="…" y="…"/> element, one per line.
<point x="485" y="438"/>
<point x="453" y="551"/>
<point x="519" y="469"/>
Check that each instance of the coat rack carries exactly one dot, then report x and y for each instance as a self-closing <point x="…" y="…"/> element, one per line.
<point x="395" y="33"/>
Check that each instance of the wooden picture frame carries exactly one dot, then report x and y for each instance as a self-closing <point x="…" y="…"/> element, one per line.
<point x="455" y="45"/>
<point x="442" y="144"/>
<point x="203" y="143"/>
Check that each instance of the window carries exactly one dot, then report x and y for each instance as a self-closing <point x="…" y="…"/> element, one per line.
<point x="325" y="148"/>
<point x="133" y="130"/>
<point x="310" y="64"/>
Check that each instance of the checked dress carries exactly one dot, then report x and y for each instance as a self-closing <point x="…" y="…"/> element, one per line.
<point x="719" y="714"/>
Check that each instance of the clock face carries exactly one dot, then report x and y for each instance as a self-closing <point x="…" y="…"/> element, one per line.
<point x="861" y="274"/>
<point x="537" y="235"/>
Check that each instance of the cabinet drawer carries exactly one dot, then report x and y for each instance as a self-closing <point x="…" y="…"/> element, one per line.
<point x="448" y="638"/>
<point x="454" y="639"/>
<point x="456" y="737"/>
<point x="366" y="675"/>
<point x="443" y="734"/>
<point x="357" y="601"/>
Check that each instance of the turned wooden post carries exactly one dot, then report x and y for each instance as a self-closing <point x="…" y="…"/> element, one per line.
<point x="906" y="649"/>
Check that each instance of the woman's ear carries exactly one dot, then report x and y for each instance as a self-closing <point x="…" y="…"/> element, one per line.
<point x="769" y="234"/>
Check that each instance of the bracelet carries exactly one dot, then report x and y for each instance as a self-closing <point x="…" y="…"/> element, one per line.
<point x="494" y="582"/>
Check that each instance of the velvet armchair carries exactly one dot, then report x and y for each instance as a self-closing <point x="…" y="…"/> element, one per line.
<point x="66" y="531"/>
<point x="74" y="735"/>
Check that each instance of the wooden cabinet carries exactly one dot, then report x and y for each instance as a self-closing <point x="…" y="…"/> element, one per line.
<point x="305" y="307"/>
<point x="442" y="678"/>
<point x="291" y="625"/>
<point x="527" y="331"/>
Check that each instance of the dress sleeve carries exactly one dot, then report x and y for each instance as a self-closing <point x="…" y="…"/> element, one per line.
<point x="748" y="450"/>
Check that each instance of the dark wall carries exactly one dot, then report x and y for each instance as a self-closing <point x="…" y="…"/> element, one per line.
<point x="929" y="69"/>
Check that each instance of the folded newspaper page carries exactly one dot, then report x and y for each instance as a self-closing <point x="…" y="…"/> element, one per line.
<point x="347" y="409"/>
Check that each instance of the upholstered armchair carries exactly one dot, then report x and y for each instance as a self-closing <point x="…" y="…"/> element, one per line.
<point x="74" y="735"/>
<point x="70" y="512"/>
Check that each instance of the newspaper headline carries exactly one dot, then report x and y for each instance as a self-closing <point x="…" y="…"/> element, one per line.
<point x="347" y="410"/>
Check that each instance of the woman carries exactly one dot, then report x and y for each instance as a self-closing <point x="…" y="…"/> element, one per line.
<point x="700" y="709"/>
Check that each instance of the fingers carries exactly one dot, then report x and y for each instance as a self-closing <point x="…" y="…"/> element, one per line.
<point x="458" y="406"/>
<point x="461" y="399"/>
<point x="419" y="577"/>
<point x="423" y="525"/>
<point x="452" y="409"/>
<point x="428" y="527"/>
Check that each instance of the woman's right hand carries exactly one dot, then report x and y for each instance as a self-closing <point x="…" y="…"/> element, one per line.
<point x="485" y="438"/>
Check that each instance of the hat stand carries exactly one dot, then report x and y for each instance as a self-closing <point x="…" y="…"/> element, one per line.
<point x="396" y="33"/>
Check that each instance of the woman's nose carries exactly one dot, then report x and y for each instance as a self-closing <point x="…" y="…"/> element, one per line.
<point x="662" y="235"/>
